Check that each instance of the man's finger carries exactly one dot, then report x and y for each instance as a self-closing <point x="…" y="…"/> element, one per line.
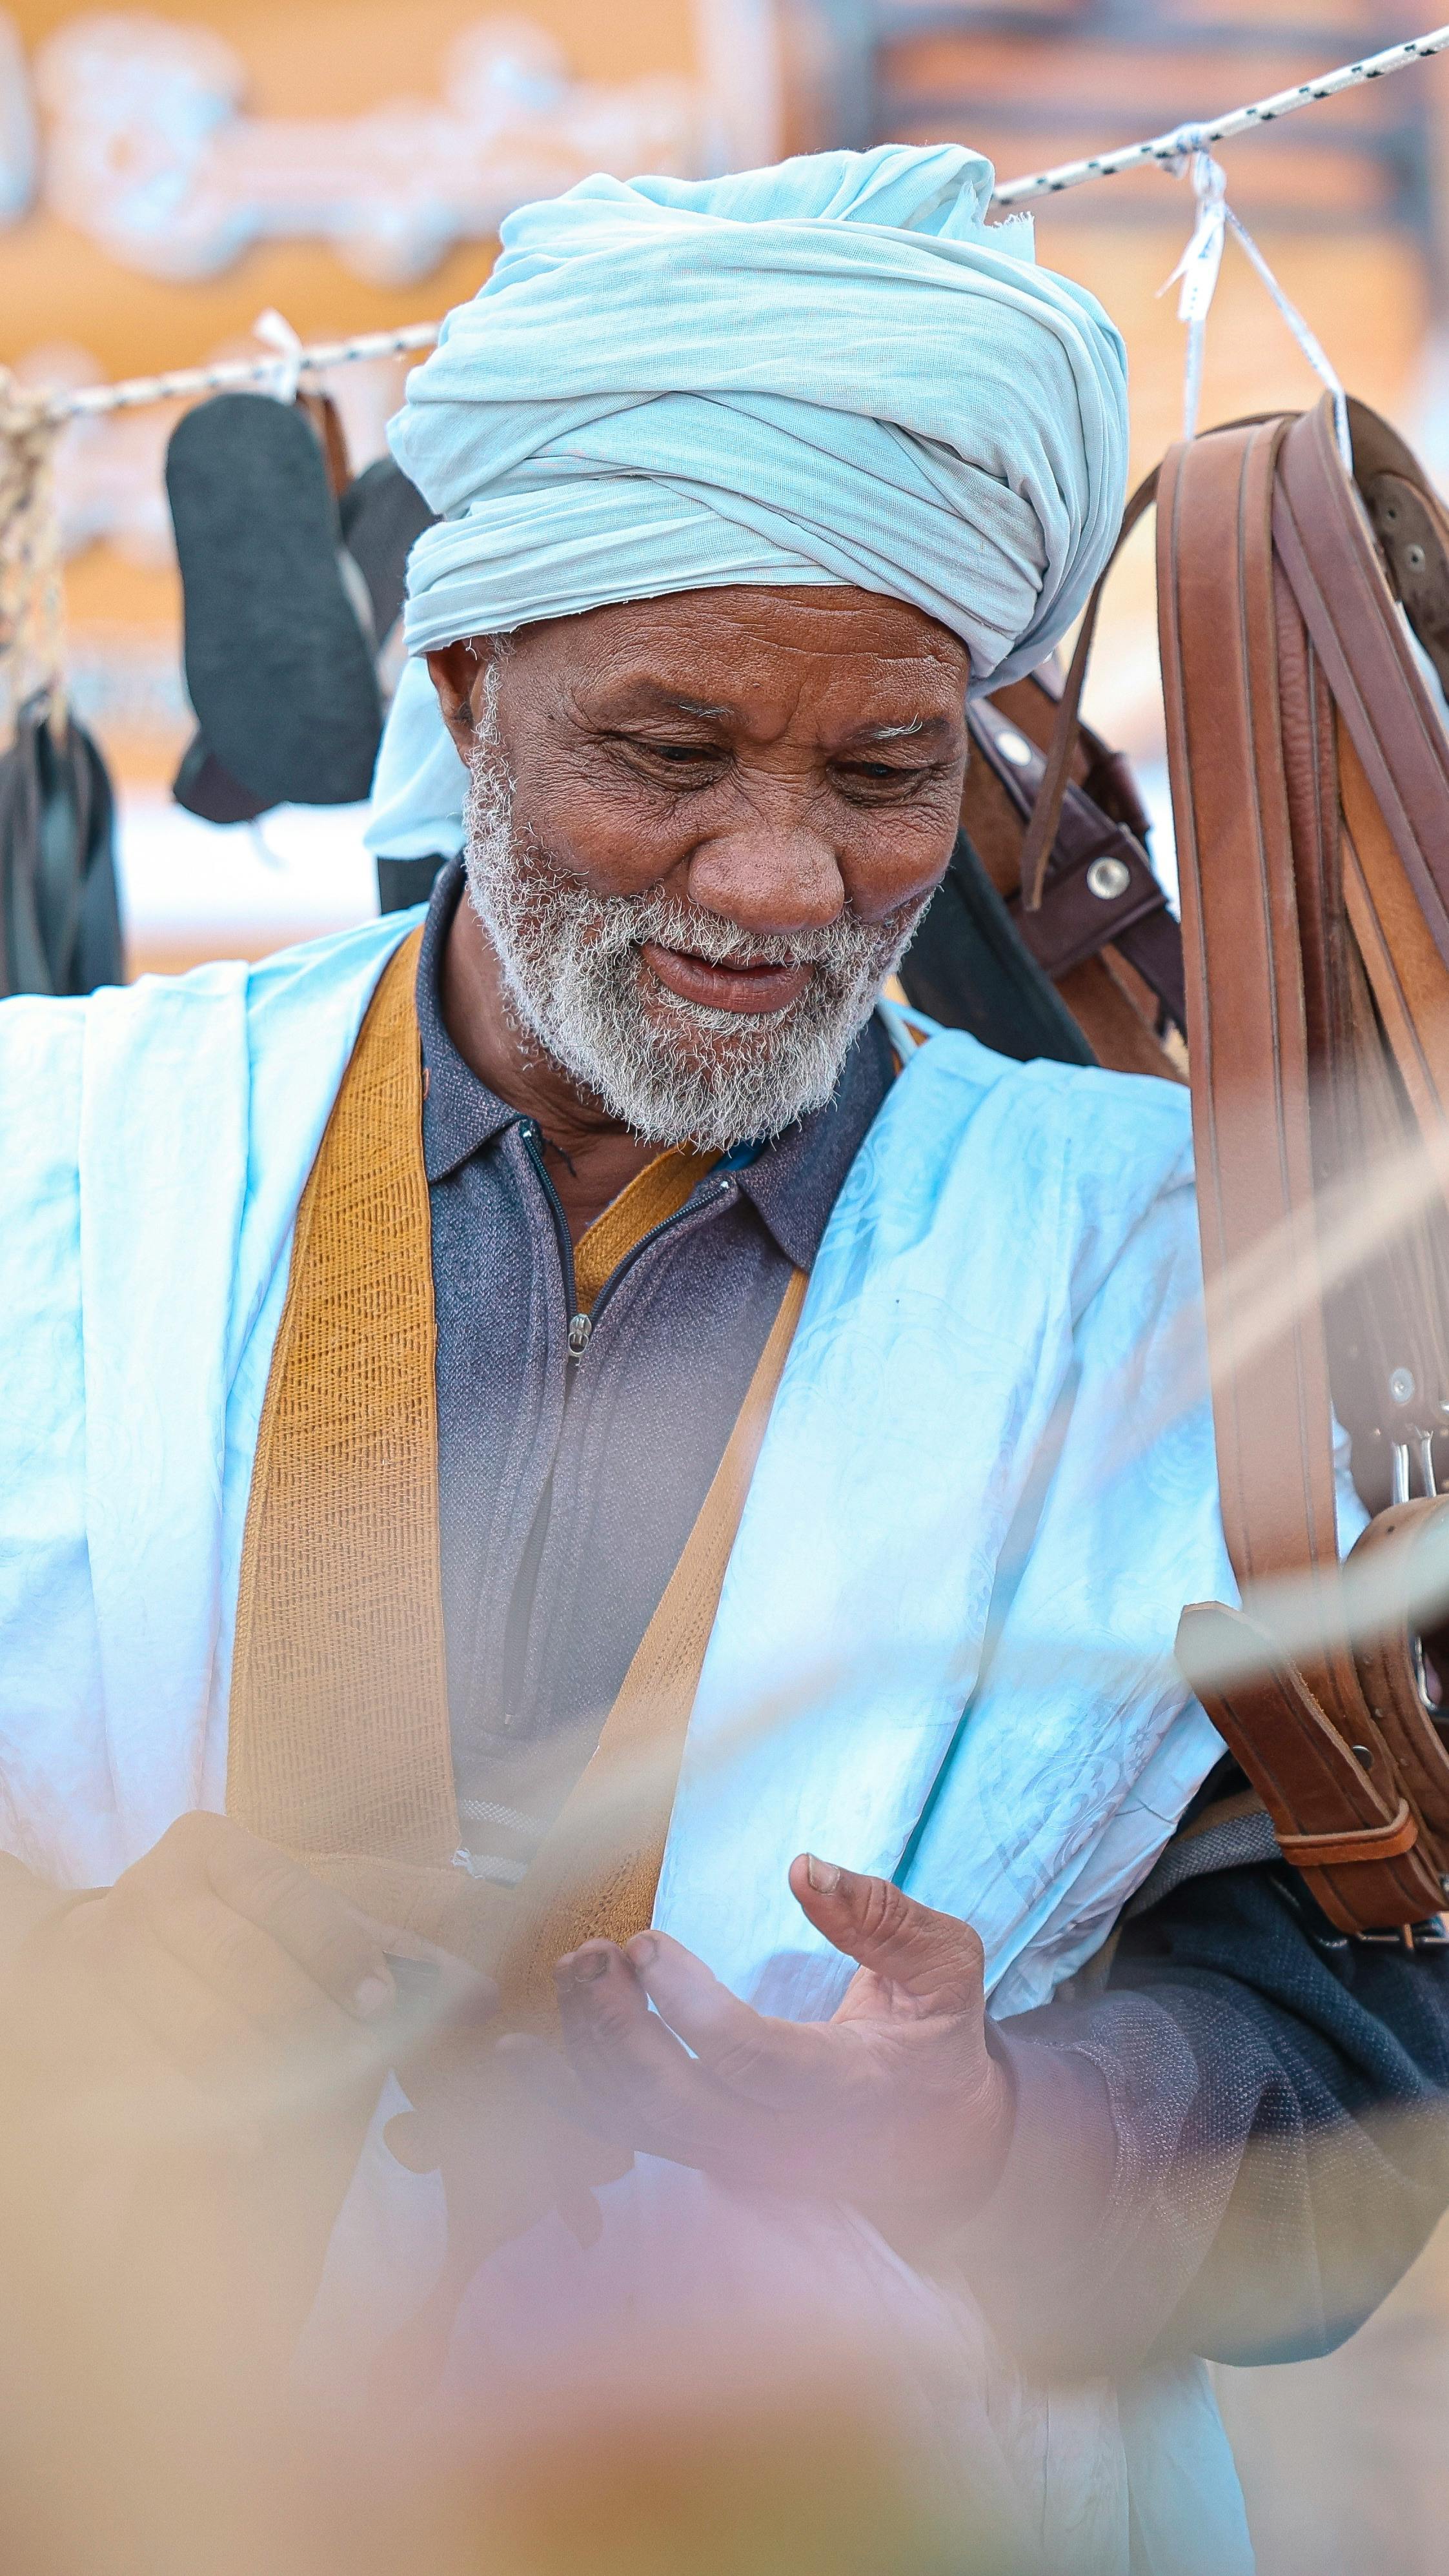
<point x="337" y="1946"/>
<point x="702" y="2137"/>
<point x="933" y="1958"/>
<point x="613" y="2040"/>
<point x="648" y="2085"/>
<point x="769" y="2060"/>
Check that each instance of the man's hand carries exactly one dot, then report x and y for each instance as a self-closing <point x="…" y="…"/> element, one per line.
<point x="216" y="1985"/>
<point x="896" y="2104"/>
<point x="505" y="2159"/>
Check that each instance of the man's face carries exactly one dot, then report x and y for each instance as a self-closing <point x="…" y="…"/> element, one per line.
<point x="700" y="831"/>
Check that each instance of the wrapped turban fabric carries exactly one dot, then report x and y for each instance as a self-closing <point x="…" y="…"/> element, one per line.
<point x="831" y="371"/>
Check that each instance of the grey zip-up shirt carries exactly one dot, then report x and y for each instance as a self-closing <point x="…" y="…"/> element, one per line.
<point x="569" y="1483"/>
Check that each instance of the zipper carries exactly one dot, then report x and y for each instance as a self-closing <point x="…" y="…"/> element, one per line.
<point x="721" y="1190"/>
<point x="581" y="1327"/>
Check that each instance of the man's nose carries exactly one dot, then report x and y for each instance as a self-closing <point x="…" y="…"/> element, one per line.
<point x="771" y="876"/>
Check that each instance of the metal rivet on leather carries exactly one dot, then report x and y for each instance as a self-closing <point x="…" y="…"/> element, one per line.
<point x="1362" y="1754"/>
<point x="1107" y="878"/>
<point x="1015" y="748"/>
<point x="1401" y="1385"/>
<point x="1414" y="557"/>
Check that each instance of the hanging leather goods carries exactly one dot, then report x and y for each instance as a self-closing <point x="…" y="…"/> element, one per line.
<point x="60" y="927"/>
<point x="1310" y="783"/>
<point x="1090" y="972"/>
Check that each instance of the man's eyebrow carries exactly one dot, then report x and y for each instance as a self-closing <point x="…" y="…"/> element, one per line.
<point x="896" y="732"/>
<point x="650" y="699"/>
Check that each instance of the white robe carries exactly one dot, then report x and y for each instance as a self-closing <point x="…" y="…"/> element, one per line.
<point x="943" y="1648"/>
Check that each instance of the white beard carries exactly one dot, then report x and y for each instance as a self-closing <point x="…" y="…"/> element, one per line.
<point x="679" y="1072"/>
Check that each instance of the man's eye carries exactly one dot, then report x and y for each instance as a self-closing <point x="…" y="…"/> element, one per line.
<point x="677" y="755"/>
<point x="881" y="773"/>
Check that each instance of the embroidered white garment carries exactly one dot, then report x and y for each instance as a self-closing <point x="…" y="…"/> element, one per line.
<point x="944" y="1643"/>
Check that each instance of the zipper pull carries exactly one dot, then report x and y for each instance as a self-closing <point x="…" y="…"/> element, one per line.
<point x="581" y="1333"/>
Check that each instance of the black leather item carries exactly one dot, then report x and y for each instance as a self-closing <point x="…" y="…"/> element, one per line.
<point x="401" y="883"/>
<point x="60" y="927"/>
<point x="206" y="789"/>
<point x="967" y="968"/>
<point x="278" y="668"/>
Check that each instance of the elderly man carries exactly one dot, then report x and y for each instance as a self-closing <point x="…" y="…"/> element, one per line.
<point x="583" y="1439"/>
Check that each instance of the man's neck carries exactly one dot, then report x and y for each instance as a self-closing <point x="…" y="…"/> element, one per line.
<point x="590" y="1157"/>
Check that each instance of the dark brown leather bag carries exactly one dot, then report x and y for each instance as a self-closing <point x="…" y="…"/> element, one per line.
<point x="1310" y="779"/>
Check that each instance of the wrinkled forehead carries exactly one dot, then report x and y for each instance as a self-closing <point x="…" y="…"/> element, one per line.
<point x="750" y="657"/>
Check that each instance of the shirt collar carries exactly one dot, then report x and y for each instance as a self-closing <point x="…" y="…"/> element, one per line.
<point x="795" y="1181"/>
<point x="460" y="1113"/>
<point x="792" y="1183"/>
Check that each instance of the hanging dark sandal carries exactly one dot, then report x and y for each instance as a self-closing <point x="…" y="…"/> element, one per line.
<point x="383" y="515"/>
<point x="60" y="928"/>
<point x="279" y="652"/>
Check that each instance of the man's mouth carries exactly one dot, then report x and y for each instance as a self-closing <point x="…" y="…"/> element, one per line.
<point x="738" y="986"/>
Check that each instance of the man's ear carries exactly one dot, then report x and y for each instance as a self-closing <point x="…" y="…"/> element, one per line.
<point x="457" y="672"/>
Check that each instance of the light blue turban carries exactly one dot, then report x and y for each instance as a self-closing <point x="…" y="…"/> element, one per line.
<point x="832" y="371"/>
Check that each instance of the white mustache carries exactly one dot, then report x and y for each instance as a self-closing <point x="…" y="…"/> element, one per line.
<point x="643" y="921"/>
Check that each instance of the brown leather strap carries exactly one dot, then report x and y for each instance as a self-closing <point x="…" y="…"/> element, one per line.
<point x="1042" y="829"/>
<point x="1247" y="1034"/>
<point x="1255" y="795"/>
<point x="1402" y="1564"/>
<point x="1356" y="1843"/>
<point x="1411" y="526"/>
<point x="1409" y="975"/>
<point x="1325" y="544"/>
<point x="1353" y="1846"/>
